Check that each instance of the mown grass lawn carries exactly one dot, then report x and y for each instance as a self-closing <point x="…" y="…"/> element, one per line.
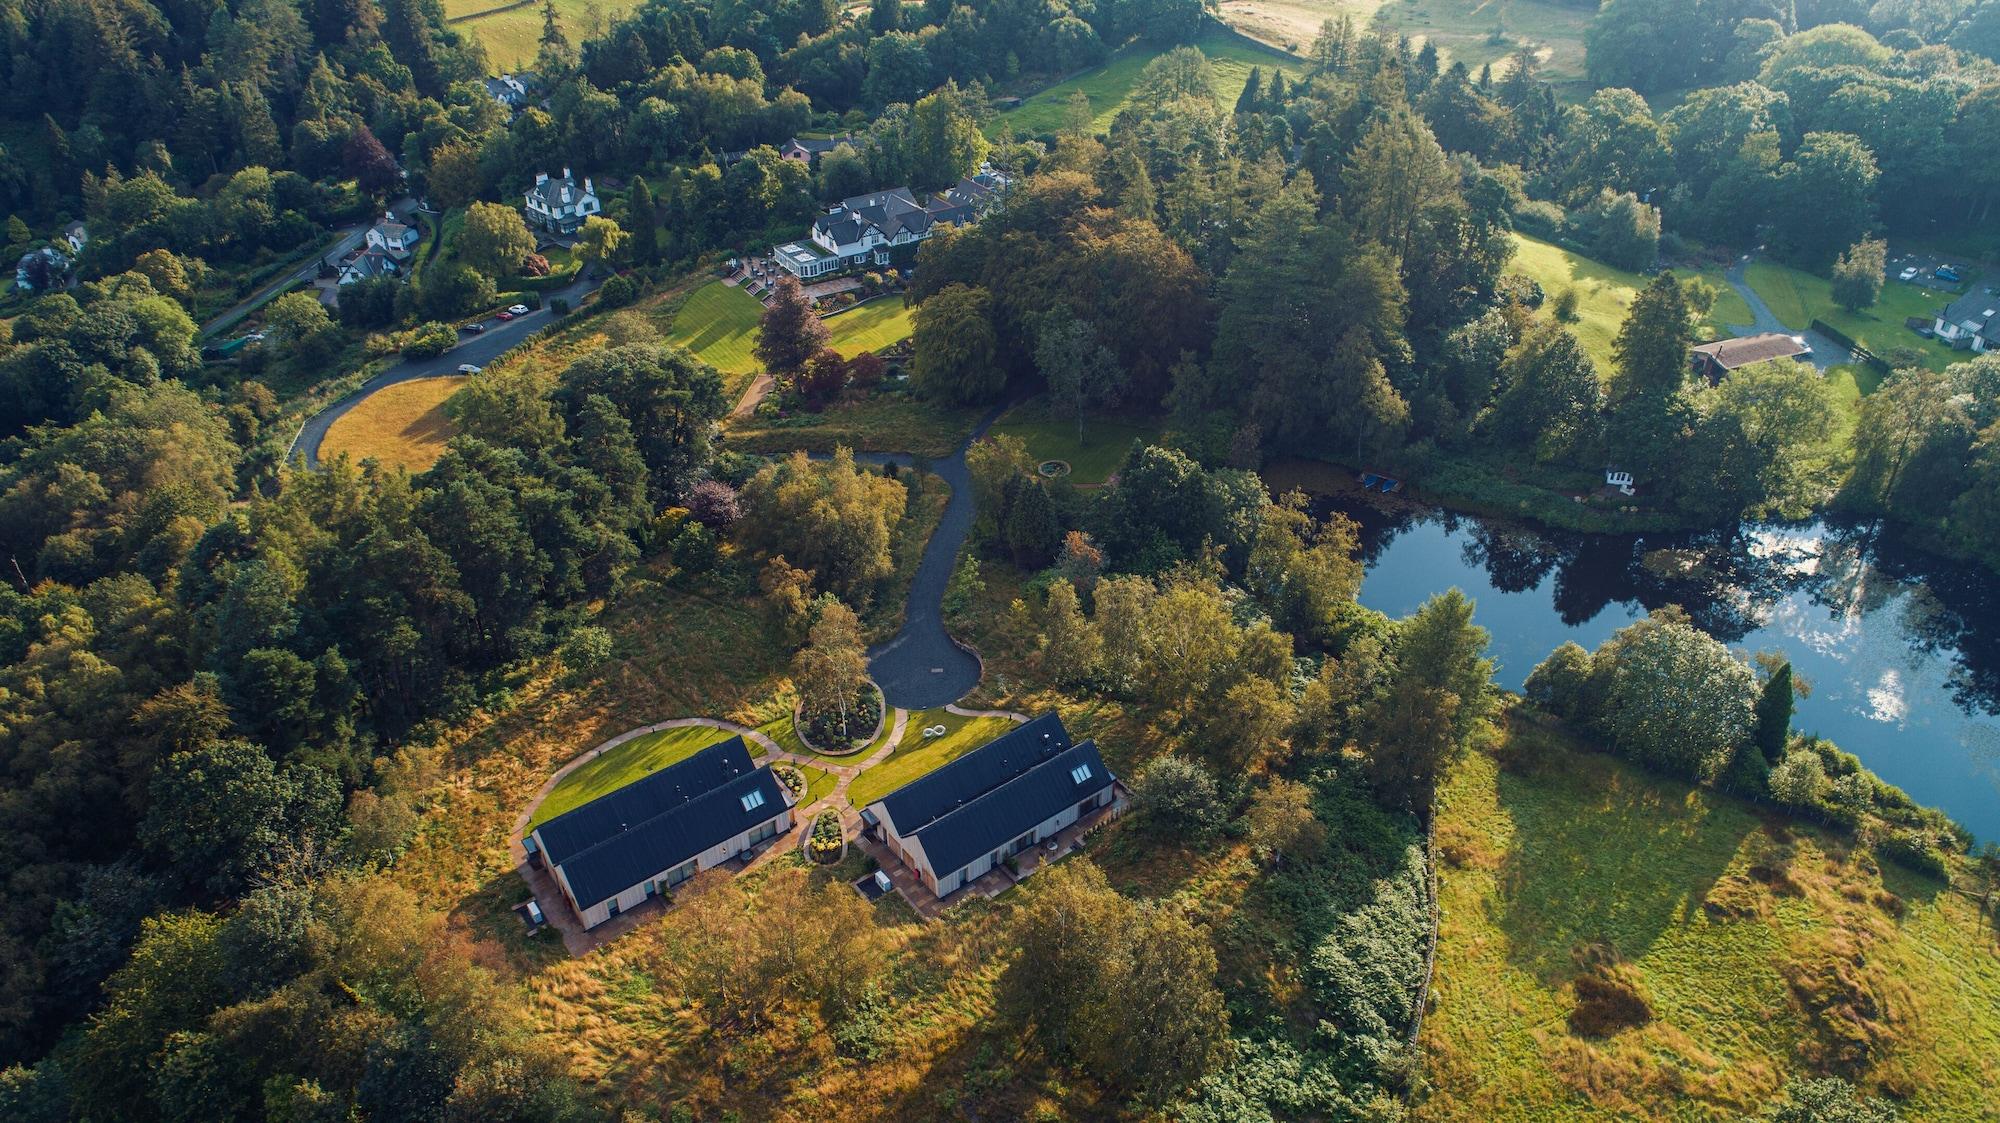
<point x="630" y="761"/>
<point x="512" y="37"/>
<point x="919" y="755"/>
<point x="1105" y="440"/>
<point x="1798" y="298"/>
<point x="718" y="325"/>
<point x="870" y="326"/>
<point x="877" y="423"/>
<point x="402" y="426"/>
<point x="1712" y="907"/>
<point x="1605" y="293"/>
<point x="1108" y="86"/>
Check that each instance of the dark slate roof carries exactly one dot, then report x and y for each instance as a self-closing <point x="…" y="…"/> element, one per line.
<point x="1007" y="812"/>
<point x="994" y="793"/>
<point x="557" y="192"/>
<point x="818" y="148"/>
<point x="1733" y="353"/>
<point x="623" y="837"/>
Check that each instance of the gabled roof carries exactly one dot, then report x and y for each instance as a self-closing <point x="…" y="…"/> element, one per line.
<point x="817" y="148"/>
<point x="995" y="793"/>
<point x="653" y="824"/>
<point x="1730" y="354"/>
<point x="557" y="192"/>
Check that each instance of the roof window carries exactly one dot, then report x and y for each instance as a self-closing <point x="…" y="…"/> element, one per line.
<point x="1080" y="773"/>
<point x="753" y="801"/>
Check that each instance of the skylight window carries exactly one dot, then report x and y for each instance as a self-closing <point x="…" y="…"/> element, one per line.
<point x="1080" y="773"/>
<point x="753" y="801"/>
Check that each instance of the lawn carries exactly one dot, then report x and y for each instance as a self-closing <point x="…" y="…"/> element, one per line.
<point x="1797" y="298"/>
<point x="1567" y="859"/>
<point x="1231" y="56"/>
<point x="718" y="324"/>
<point x="513" y="36"/>
<point x="628" y="762"/>
<point x="1462" y="29"/>
<point x="919" y="755"/>
<point x="1604" y="293"/>
<point x="403" y="426"/>
<point x="882" y="422"/>
<point x="871" y="326"/>
<point x="1105" y="440"/>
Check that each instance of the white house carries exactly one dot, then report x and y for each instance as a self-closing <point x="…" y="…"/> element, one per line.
<point x="367" y="264"/>
<point x="952" y="825"/>
<point x="867" y="229"/>
<point x="40" y="268"/>
<point x="627" y="846"/>
<point x="559" y="206"/>
<point x="393" y="238"/>
<point x="512" y="90"/>
<point x="77" y="235"/>
<point x="1970" y="323"/>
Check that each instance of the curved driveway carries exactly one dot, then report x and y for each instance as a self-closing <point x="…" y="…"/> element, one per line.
<point x="922" y="667"/>
<point x="478" y="350"/>
<point x="1825" y="352"/>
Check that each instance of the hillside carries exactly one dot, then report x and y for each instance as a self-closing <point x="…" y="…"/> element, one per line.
<point x="1761" y="946"/>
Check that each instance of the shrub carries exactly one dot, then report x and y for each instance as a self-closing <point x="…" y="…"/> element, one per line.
<point x="584" y="648"/>
<point x="712" y="503"/>
<point x="1179" y="798"/>
<point x="826" y="840"/>
<point x="618" y="292"/>
<point x="1565" y="306"/>
<point x="1914" y="850"/>
<point x="1799" y="781"/>
<point x="534" y="265"/>
<point x="428" y="341"/>
<point x="560" y="306"/>
<point x="1540" y="218"/>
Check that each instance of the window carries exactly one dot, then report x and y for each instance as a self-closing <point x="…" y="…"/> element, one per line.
<point x="679" y="874"/>
<point x="753" y="801"/>
<point x="1080" y="773"/>
<point x="768" y="830"/>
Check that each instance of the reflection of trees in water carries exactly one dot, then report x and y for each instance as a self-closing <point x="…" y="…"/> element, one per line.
<point x="1515" y="558"/>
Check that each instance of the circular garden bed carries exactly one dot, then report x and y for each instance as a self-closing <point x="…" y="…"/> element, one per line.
<point x="1052" y="469"/>
<point x="830" y="735"/>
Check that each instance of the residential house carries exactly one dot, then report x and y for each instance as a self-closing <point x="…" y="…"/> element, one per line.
<point x="77" y="235"/>
<point x="1971" y="322"/>
<point x="42" y="268"/>
<point x="870" y="230"/>
<point x="627" y="846"/>
<point x="954" y="824"/>
<point x="394" y="238"/>
<point x="1715" y="360"/>
<point x="513" y="91"/>
<point x="559" y="205"/>
<point x="808" y="152"/>
<point x="368" y="264"/>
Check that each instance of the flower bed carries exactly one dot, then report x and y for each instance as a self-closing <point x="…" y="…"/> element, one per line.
<point x="829" y="733"/>
<point x="792" y="778"/>
<point x="827" y="843"/>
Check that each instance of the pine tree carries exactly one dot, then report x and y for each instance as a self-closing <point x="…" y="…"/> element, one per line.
<point x="645" y="223"/>
<point x="1253" y="92"/>
<point x="1774" y="714"/>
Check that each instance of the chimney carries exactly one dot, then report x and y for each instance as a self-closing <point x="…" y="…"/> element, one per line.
<point x="541" y="178"/>
<point x="565" y="171"/>
<point x="586" y="186"/>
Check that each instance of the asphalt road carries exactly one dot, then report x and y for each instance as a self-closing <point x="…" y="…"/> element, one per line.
<point x="308" y="270"/>
<point x="922" y="667"/>
<point x="478" y="350"/>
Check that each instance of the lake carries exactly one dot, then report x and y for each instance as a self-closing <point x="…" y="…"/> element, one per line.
<point x="1902" y="650"/>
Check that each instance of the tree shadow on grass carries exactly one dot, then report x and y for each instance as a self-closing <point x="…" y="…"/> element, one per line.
<point x="431" y="427"/>
<point x="1605" y="854"/>
<point x="488" y="914"/>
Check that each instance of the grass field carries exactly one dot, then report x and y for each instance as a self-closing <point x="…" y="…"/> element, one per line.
<point x="1105" y="440"/>
<point x="1729" y="925"/>
<point x="1605" y="293"/>
<point x="403" y="426"/>
<point x="1462" y="29"/>
<point x="628" y="762"/>
<point x="719" y="324"/>
<point x="1109" y="85"/>
<point x="513" y="36"/>
<point x="1798" y="298"/>
<point x="918" y="755"/>
<point x="871" y="326"/>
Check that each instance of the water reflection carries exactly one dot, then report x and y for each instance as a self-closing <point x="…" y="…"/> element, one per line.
<point x="1902" y="649"/>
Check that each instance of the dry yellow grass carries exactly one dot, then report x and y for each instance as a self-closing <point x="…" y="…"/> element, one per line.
<point x="403" y="426"/>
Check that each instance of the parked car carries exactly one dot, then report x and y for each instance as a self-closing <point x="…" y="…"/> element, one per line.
<point x="519" y="310"/>
<point x="1947" y="273"/>
<point x="468" y="368"/>
<point x="475" y="327"/>
<point x="504" y="317"/>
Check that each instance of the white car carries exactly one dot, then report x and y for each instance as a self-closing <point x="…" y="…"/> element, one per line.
<point x="519" y="309"/>
<point x="468" y="368"/>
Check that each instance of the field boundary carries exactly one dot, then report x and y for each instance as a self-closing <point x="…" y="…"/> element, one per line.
<point x="484" y="12"/>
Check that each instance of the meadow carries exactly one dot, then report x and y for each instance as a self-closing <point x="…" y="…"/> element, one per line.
<point x="1798" y="298"/>
<point x="1605" y="293"/>
<point x="719" y="325"/>
<point x="1463" y="30"/>
<point x="1754" y="944"/>
<point x="1091" y="460"/>
<point x="1230" y="56"/>
<point x="512" y="34"/>
<point x="402" y="426"/>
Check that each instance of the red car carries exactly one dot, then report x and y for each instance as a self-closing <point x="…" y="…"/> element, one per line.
<point x="504" y="317"/>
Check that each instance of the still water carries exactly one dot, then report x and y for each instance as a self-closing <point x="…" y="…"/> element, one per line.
<point x="1902" y="650"/>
